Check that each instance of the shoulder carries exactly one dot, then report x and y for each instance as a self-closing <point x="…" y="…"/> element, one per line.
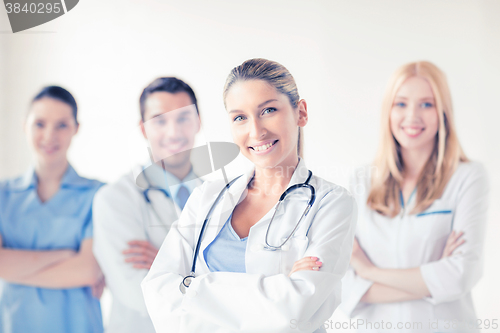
<point x="469" y="173"/>
<point x="471" y="169"/>
<point x="209" y="188"/>
<point x="362" y="175"/>
<point x="328" y="193"/>
<point x="84" y="187"/>
<point x="16" y="184"/>
<point x="93" y="184"/>
<point x="334" y="210"/>
<point x="72" y="180"/>
<point x="7" y="185"/>
<point x="360" y="181"/>
<point x="123" y="188"/>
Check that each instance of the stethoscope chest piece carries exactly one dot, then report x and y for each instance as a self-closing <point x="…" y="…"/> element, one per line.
<point x="186" y="281"/>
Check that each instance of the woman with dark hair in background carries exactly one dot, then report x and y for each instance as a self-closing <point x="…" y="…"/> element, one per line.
<point x="50" y="279"/>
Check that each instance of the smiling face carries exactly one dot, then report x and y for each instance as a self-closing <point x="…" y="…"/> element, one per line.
<point x="170" y="126"/>
<point x="264" y="124"/>
<point x="414" y="118"/>
<point x="49" y="128"/>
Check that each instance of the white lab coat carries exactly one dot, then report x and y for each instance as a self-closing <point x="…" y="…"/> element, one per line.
<point x="407" y="241"/>
<point x="264" y="299"/>
<point x="121" y="214"/>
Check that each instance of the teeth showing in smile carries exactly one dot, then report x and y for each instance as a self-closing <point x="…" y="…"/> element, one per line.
<point x="264" y="147"/>
<point x="413" y="131"/>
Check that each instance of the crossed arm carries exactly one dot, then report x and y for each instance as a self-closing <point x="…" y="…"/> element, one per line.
<point x="396" y="285"/>
<point x="18" y="264"/>
<point x="52" y="269"/>
<point x="455" y="273"/>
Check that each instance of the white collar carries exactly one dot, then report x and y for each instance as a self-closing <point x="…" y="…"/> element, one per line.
<point x="153" y="176"/>
<point x="300" y="175"/>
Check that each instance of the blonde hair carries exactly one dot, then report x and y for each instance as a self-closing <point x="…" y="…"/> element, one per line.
<point x="273" y="73"/>
<point x="386" y="183"/>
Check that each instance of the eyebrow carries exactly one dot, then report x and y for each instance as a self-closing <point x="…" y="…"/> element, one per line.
<point x="258" y="106"/>
<point x="57" y="120"/>
<point x="183" y="113"/>
<point x="422" y="99"/>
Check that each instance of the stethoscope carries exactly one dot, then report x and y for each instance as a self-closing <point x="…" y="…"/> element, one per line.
<point x="186" y="281"/>
<point x="148" y="200"/>
<point x="150" y="203"/>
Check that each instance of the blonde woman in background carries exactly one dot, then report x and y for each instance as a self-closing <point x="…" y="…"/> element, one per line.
<point x="422" y="216"/>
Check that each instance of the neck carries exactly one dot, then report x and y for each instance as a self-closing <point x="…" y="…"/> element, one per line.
<point x="274" y="181"/>
<point x="50" y="172"/>
<point x="179" y="171"/>
<point x="414" y="161"/>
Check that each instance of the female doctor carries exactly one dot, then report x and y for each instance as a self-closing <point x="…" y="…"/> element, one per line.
<point x="239" y="284"/>
<point x="422" y="216"/>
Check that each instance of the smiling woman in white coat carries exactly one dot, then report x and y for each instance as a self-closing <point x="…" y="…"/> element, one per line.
<point x="422" y="216"/>
<point x="246" y="279"/>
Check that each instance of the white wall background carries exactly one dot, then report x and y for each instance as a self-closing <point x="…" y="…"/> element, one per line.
<point x="341" y="54"/>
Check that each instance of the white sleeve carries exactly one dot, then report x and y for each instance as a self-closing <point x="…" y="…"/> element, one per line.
<point x="233" y="301"/>
<point x="161" y="285"/>
<point x="354" y="286"/>
<point x="118" y="220"/>
<point x="452" y="277"/>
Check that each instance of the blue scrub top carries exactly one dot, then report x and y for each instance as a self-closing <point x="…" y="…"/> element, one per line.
<point x="62" y="222"/>
<point x="226" y="253"/>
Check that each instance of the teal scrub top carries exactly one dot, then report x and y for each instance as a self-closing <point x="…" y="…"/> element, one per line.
<point x="62" y="222"/>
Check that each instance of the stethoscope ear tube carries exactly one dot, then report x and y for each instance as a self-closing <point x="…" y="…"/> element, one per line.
<point x="306" y="211"/>
<point x="296" y="186"/>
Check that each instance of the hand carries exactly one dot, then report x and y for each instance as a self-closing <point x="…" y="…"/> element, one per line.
<point x="360" y="262"/>
<point x="452" y="243"/>
<point x="306" y="264"/>
<point x="141" y="254"/>
<point x="98" y="287"/>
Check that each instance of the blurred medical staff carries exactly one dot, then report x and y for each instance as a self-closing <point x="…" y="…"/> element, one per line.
<point x="51" y="281"/>
<point x="131" y="222"/>
<point x="422" y="216"/>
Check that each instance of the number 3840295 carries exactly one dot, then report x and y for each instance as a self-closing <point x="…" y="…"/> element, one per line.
<point x="33" y="8"/>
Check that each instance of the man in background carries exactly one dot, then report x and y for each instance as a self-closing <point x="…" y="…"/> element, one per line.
<point x="130" y="222"/>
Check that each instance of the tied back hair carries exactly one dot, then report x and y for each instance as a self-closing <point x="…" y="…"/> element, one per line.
<point x="274" y="74"/>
